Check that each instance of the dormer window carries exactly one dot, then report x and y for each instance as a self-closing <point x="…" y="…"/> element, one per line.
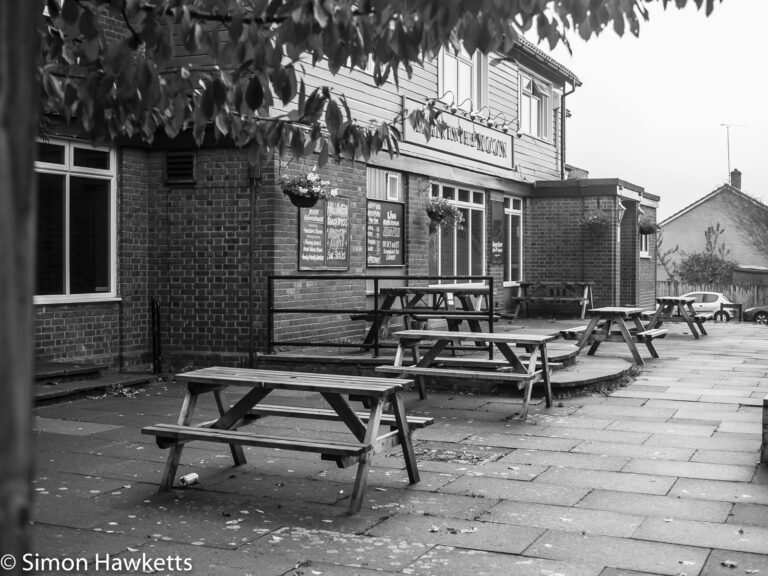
<point x="535" y="107"/>
<point x="463" y="79"/>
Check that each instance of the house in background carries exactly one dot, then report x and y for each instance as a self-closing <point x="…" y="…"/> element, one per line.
<point x="743" y="218"/>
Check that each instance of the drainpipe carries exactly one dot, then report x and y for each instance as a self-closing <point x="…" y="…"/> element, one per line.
<point x="254" y="180"/>
<point x="563" y="114"/>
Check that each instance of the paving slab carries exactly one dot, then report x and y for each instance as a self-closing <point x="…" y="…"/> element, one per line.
<point x="590" y="434"/>
<point x="474" y="534"/>
<point x="664" y="428"/>
<point x="717" y="441"/>
<point x="442" y="560"/>
<point x="428" y="503"/>
<point x="564" y="459"/>
<point x="521" y="441"/>
<point x="726" y="457"/>
<point x="702" y="470"/>
<point x="506" y="470"/>
<point x="338" y="548"/>
<point x="742" y="538"/>
<point x="666" y="507"/>
<point x="564" y="518"/>
<point x="636" y="451"/>
<point x="515" y="490"/>
<point x="730" y="563"/>
<point x="619" y="412"/>
<point x="750" y="514"/>
<point x="623" y="553"/>
<point x="714" y="490"/>
<point x="618" y="481"/>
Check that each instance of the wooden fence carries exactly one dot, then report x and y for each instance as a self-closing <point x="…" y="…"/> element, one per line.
<point x="745" y="294"/>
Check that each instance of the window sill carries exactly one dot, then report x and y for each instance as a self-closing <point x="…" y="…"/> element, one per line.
<point x="538" y="138"/>
<point x="645" y="256"/>
<point x="63" y="301"/>
<point x="511" y="283"/>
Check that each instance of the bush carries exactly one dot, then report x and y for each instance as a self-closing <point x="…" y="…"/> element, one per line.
<point x="703" y="268"/>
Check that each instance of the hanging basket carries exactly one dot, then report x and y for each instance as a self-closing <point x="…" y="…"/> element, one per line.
<point x="302" y="201"/>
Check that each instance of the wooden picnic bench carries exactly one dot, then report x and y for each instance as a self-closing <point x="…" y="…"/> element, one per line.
<point x="512" y="369"/>
<point x="668" y="305"/>
<point x="366" y="437"/>
<point x="600" y="330"/>
<point x="552" y="293"/>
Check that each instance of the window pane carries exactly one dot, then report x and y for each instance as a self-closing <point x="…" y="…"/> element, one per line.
<point x="535" y="126"/>
<point x="449" y="74"/>
<point x="448" y="193"/>
<point x="88" y="158"/>
<point x="50" y="234"/>
<point x="517" y="204"/>
<point x="446" y="251"/>
<point x="462" y="245"/>
<point x="464" y="82"/>
<point x="89" y="234"/>
<point x="463" y="195"/>
<point x="477" y="241"/>
<point x="514" y="248"/>
<point x="50" y="153"/>
<point x="525" y="114"/>
<point x="435" y="190"/>
<point x="478" y="198"/>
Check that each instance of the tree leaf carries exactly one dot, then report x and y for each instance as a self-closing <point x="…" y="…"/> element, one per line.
<point x="254" y="94"/>
<point x="333" y="118"/>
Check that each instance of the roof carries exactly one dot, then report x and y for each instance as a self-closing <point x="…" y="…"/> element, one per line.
<point x="538" y="54"/>
<point x="703" y="199"/>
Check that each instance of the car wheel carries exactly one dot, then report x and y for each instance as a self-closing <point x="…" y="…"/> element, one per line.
<point x="761" y="317"/>
<point x="722" y="316"/>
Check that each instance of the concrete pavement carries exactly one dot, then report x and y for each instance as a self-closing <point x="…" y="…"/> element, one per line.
<point x="659" y="477"/>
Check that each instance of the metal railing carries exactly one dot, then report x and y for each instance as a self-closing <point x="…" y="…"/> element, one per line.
<point x="375" y="315"/>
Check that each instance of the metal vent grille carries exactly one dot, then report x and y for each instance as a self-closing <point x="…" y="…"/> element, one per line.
<point x="180" y="167"/>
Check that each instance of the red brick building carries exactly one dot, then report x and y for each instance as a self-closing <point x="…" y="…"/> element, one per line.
<point x="198" y="232"/>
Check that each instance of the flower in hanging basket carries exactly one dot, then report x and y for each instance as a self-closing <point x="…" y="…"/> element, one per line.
<point x="307" y="189"/>
<point x="597" y="221"/>
<point x="646" y="225"/>
<point x="443" y="213"/>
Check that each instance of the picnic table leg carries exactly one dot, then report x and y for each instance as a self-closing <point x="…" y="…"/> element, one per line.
<point x="596" y="343"/>
<point x="361" y="479"/>
<point x="405" y="439"/>
<point x="696" y="320"/>
<point x="236" y="449"/>
<point x="174" y="457"/>
<point x="520" y="368"/>
<point x="656" y="319"/>
<point x="587" y="333"/>
<point x="545" y="368"/>
<point x="631" y="342"/>
<point x="689" y="321"/>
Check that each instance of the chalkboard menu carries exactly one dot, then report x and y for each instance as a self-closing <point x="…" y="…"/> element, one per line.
<point x="324" y="235"/>
<point x="385" y="233"/>
<point x="497" y="232"/>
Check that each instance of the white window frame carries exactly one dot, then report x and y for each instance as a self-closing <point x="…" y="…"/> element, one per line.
<point x="645" y="245"/>
<point x="478" y="93"/>
<point x="541" y="92"/>
<point x="509" y="211"/>
<point x="67" y="169"/>
<point x="471" y="205"/>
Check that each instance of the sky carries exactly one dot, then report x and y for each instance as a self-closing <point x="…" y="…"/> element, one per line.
<point x="650" y="108"/>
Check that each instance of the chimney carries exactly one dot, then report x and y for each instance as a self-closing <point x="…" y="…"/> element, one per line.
<point x="736" y="178"/>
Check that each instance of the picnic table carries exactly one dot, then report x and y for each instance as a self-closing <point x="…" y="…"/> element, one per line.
<point x="367" y="437"/>
<point x="454" y="303"/>
<point x="665" y="312"/>
<point x="512" y="368"/>
<point x="554" y="293"/>
<point x="600" y="329"/>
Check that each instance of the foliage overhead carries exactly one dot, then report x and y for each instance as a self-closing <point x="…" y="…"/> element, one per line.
<point x="251" y="89"/>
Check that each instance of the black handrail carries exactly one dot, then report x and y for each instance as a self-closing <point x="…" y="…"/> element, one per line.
<point x="375" y="314"/>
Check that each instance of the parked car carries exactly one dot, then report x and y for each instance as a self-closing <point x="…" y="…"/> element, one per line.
<point x="709" y="302"/>
<point x="758" y="314"/>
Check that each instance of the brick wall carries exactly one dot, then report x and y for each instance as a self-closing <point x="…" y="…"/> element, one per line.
<point x="630" y="248"/>
<point x="646" y="284"/>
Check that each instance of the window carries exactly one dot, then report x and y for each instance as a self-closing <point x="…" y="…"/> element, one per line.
<point x="461" y="252"/>
<point x="513" y="239"/>
<point x="462" y="79"/>
<point x="535" y="107"/>
<point x="385" y="219"/>
<point x="645" y="247"/>
<point x="76" y="218"/>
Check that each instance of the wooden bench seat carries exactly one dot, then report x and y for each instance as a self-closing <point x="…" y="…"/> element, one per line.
<point x="443" y="316"/>
<point x="520" y="379"/>
<point x="554" y="299"/>
<point x="262" y="410"/>
<point x="486" y="363"/>
<point x="650" y="334"/>
<point x="168" y="434"/>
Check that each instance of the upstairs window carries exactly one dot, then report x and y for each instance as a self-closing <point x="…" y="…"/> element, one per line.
<point x="463" y="79"/>
<point x="76" y="222"/>
<point x="535" y="107"/>
<point x="645" y="246"/>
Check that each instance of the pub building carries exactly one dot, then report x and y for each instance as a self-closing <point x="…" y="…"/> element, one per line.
<point x="169" y="256"/>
